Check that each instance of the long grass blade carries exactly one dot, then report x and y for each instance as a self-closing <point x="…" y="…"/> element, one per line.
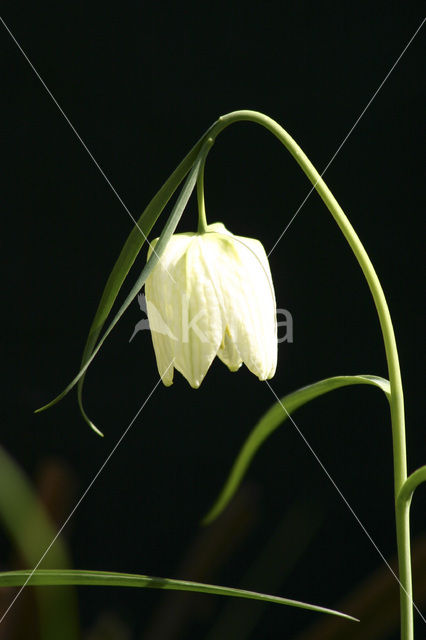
<point x="108" y="579"/>
<point x="272" y="419"/>
<point x="28" y="525"/>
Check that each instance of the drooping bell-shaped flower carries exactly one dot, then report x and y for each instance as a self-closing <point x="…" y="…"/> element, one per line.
<point x="211" y="295"/>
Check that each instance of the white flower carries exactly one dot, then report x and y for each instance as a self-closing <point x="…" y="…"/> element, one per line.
<point x="214" y="292"/>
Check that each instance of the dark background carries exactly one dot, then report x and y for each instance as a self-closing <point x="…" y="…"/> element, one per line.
<point x="141" y="82"/>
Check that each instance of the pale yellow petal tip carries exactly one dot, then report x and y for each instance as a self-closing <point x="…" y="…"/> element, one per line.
<point x="235" y="368"/>
<point x="167" y="377"/>
<point x="195" y="382"/>
<point x="268" y="376"/>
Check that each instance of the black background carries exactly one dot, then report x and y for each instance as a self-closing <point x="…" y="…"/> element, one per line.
<point x="141" y="82"/>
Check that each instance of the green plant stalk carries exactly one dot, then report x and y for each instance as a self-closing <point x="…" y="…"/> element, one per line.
<point x="396" y="392"/>
<point x="410" y="485"/>
<point x="403" y="503"/>
<point x="202" y="220"/>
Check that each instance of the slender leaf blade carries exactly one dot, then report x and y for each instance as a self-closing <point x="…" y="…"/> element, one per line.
<point x="111" y="579"/>
<point x="272" y="419"/>
<point x="28" y="525"/>
<point x="127" y="257"/>
<point x="167" y="232"/>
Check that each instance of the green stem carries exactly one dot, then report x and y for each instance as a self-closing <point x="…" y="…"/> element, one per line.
<point x="396" y="392"/>
<point x="202" y="220"/>
<point x="410" y="485"/>
<point x="405" y="495"/>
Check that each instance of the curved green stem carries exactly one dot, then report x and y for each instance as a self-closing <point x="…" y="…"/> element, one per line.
<point x="396" y="392"/>
<point x="410" y="485"/>
<point x="202" y="220"/>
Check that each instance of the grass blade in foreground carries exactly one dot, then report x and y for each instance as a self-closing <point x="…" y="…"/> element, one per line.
<point x="26" y="521"/>
<point x="272" y="420"/>
<point x="48" y="577"/>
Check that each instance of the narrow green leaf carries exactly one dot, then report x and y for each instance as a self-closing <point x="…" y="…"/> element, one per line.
<point x="272" y="420"/>
<point x="26" y="521"/>
<point x="167" y="232"/>
<point x="111" y="579"/>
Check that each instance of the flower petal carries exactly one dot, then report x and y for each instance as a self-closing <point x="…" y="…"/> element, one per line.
<point x="201" y="326"/>
<point x="229" y="353"/>
<point x="248" y="296"/>
<point x="159" y="291"/>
